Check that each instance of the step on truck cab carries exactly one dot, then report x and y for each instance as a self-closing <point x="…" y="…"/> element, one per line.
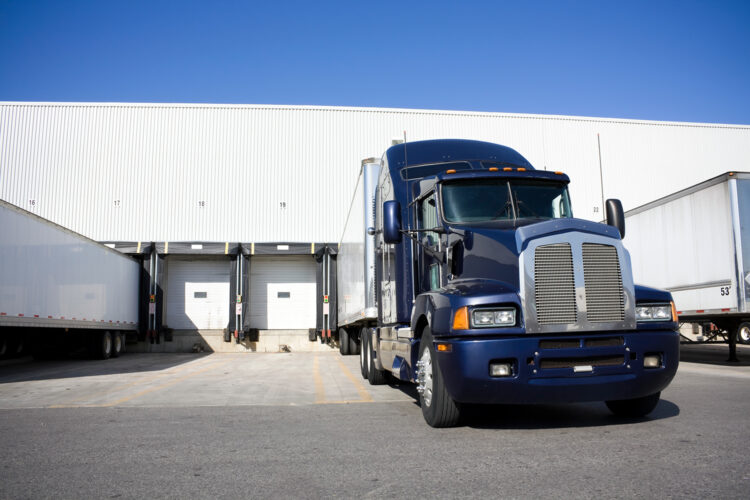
<point x="486" y="290"/>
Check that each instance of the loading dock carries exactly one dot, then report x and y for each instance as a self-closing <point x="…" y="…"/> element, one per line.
<point x="197" y="293"/>
<point x="282" y="292"/>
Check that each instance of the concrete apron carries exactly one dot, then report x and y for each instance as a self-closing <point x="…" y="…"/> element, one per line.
<point x="213" y="341"/>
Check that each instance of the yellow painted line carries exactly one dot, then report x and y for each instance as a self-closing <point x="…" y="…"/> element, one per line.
<point x="162" y="386"/>
<point x="139" y="380"/>
<point x="320" y="393"/>
<point x="364" y="394"/>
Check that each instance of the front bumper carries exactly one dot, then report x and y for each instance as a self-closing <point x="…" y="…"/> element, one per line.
<point x="609" y="367"/>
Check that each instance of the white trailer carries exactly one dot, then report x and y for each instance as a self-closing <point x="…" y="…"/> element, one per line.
<point x="696" y="244"/>
<point x="59" y="289"/>
<point x="356" y="261"/>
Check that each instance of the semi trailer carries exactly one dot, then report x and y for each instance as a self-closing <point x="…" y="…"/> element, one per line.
<point x="696" y="244"/>
<point x="461" y="269"/>
<point x="60" y="290"/>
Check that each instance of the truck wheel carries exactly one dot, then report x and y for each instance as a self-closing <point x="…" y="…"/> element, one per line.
<point x="637" y="407"/>
<point x="103" y="344"/>
<point x="438" y="408"/>
<point x="353" y="345"/>
<point x="362" y="351"/>
<point x="343" y="341"/>
<point x="116" y="344"/>
<point x="374" y="376"/>
<point x="743" y="333"/>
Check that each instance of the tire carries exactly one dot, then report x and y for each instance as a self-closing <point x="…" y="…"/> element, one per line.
<point x="743" y="333"/>
<point x="634" y="408"/>
<point x="363" y="349"/>
<point x="102" y="345"/>
<point x="438" y="408"/>
<point x="3" y="345"/>
<point x="353" y="345"/>
<point x="18" y="346"/>
<point x="343" y="341"/>
<point x="374" y="376"/>
<point x="116" y="344"/>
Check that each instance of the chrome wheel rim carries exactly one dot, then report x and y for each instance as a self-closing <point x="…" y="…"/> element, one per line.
<point x="745" y="334"/>
<point x="107" y="344"/>
<point x="424" y="379"/>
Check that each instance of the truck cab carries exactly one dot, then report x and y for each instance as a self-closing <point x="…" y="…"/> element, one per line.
<point x="488" y="289"/>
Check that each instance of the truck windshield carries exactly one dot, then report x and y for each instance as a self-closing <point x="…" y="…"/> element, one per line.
<point x="482" y="200"/>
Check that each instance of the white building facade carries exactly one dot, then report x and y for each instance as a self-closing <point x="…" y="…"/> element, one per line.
<point x="278" y="181"/>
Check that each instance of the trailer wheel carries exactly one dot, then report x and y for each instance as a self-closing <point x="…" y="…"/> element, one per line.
<point x="3" y="345"/>
<point x="374" y="376"/>
<point x="343" y="341"/>
<point x="18" y="345"/>
<point x="103" y="345"/>
<point x="438" y="408"/>
<point x="116" y="344"/>
<point x="353" y="345"/>
<point x="637" y="407"/>
<point x="743" y="333"/>
<point x="362" y="350"/>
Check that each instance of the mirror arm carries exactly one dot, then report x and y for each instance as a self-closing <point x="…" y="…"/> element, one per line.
<point x="429" y="251"/>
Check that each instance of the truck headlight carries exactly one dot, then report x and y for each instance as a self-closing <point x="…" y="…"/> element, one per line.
<point x="492" y="318"/>
<point x="654" y="312"/>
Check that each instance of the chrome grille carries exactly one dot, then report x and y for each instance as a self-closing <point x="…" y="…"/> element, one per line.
<point x="605" y="300"/>
<point x="554" y="284"/>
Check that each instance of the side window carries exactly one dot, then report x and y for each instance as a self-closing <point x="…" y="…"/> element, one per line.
<point x="427" y="219"/>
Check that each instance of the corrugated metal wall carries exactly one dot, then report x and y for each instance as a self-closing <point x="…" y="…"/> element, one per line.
<point x="143" y="172"/>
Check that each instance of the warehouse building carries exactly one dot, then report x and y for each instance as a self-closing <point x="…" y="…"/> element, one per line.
<point x="236" y="211"/>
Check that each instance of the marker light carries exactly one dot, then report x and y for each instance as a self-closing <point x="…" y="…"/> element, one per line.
<point x="451" y="171"/>
<point x="444" y="347"/>
<point x="521" y="169"/>
<point x="507" y="169"/>
<point x="493" y="169"/>
<point x="674" y="312"/>
<point x="461" y="319"/>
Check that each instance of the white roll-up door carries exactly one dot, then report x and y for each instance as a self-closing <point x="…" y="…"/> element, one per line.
<point x="282" y="292"/>
<point x="197" y="293"/>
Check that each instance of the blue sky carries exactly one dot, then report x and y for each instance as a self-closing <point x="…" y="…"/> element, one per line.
<point x="656" y="60"/>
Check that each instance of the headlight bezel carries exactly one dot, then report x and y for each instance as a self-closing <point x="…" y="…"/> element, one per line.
<point x="497" y="313"/>
<point x="654" y="312"/>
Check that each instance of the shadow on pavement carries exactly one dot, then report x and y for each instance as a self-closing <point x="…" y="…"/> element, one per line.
<point x="556" y="416"/>
<point x="27" y="369"/>
<point x="714" y="354"/>
<point x="543" y="416"/>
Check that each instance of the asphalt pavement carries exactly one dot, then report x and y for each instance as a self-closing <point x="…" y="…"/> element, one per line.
<point x="306" y="425"/>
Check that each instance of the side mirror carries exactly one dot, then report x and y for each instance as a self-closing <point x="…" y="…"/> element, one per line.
<point x="616" y="216"/>
<point x="392" y="222"/>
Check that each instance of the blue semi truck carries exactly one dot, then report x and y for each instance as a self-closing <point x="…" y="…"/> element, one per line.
<point x="462" y="269"/>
